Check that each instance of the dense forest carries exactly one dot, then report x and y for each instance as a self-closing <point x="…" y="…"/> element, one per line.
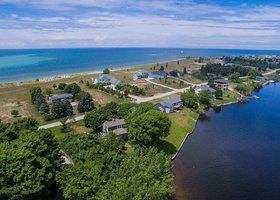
<point x="31" y="162"/>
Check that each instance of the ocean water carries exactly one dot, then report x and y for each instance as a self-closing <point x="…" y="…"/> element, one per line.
<point x="233" y="153"/>
<point x="20" y="65"/>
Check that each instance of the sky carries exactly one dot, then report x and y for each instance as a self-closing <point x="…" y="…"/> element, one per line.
<point x="230" y="24"/>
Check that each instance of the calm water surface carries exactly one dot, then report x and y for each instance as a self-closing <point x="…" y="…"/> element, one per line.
<point x="26" y="64"/>
<point x="234" y="153"/>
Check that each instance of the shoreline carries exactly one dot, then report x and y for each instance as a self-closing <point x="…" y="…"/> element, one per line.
<point x="71" y="75"/>
<point x="189" y="134"/>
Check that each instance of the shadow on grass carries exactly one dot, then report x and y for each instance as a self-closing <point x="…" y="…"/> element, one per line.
<point x="166" y="147"/>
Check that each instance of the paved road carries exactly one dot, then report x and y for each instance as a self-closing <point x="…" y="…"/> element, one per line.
<point x="271" y="72"/>
<point x="56" y="124"/>
<point x="161" y="85"/>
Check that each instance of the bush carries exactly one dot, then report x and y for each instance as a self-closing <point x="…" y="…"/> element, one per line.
<point x="15" y="113"/>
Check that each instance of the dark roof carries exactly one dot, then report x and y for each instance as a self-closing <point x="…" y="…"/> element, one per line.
<point x="176" y="71"/>
<point x="221" y="81"/>
<point x="116" y="122"/>
<point x="61" y="96"/>
<point x="160" y="73"/>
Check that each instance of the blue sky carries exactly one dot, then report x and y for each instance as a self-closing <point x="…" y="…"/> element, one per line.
<point x="253" y="24"/>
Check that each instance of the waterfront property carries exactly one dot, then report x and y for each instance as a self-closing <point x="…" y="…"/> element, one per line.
<point x="108" y="80"/>
<point x="140" y="74"/>
<point x="260" y="78"/>
<point x="170" y="105"/>
<point x="206" y="88"/>
<point x="222" y="84"/>
<point x="158" y="74"/>
<point x="59" y="97"/>
<point x="116" y="126"/>
<point x="176" y="73"/>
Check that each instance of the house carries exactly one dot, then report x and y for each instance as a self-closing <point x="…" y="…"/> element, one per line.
<point x="206" y="88"/>
<point x="141" y="74"/>
<point x="158" y="74"/>
<point x="260" y="78"/>
<point x="116" y="126"/>
<point x="222" y="84"/>
<point x="108" y="80"/>
<point x="176" y="73"/>
<point x="59" y="97"/>
<point x="170" y="105"/>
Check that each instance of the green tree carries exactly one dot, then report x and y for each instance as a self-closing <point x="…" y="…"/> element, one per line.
<point x="218" y="94"/>
<point x="61" y="109"/>
<point x="73" y="88"/>
<point x="15" y="113"/>
<point x="190" y="99"/>
<point x="28" y="165"/>
<point x="144" y="174"/>
<point x="96" y="118"/>
<point x="86" y="102"/>
<point x="62" y="86"/>
<point x="80" y="181"/>
<point x="205" y="97"/>
<point x="106" y="71"/>
<point x="148" y="128"/>
<point x="185" y="70"/>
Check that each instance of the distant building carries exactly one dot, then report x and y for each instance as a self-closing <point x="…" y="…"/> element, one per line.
<point x="260" y="78"/>
<point x="206" y="88"/>
<point x="222" y="84"/>
<point x="140" y="74"/>
<point x="66" y="96"/>
<point x="170" y="105"/>
<point x="176" y="73"/>
<point x="116" y="126"/>
<point x="108" y="80"/>
<point x="158" y="74"/>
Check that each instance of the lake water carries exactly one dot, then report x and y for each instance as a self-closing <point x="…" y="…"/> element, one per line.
<point x="20" y="65"/>
<point x="234" y="153"/>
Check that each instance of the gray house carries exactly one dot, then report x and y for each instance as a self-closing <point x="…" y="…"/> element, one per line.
<point x="108" y="80"/>
<point x="170" y="105"/>
<point x="116" y="126"/>
<point x="206" y="88"/>
<point x="66" y="96"/>
<point x="141" y="74"/>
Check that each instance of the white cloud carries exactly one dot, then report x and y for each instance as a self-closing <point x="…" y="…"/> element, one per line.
<point x="156" y="23"/>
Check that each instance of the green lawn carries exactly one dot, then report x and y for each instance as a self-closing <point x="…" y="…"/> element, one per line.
<point x="78" y="128"/>
<point x="228" y="97"/>
<point x="182" y="124"/>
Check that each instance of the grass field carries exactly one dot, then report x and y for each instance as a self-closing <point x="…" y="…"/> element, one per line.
<point x="172" y="82"/>
<point x="16" y="95"/>
<point x="78" y="128"/>
<point x="182" y="124"/>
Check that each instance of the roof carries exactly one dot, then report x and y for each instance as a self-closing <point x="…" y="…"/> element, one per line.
<point x="61" y="96"/>
<point x="104" y="78"/>
<point x="221" y="81"/>
<point x="160" y="73"/>
<point x="116" y="122"/>
<point x="176" y="71"/>
<point x="120" y="131"/>
<point x="170" y="102"/>
<point x="207" y="88"/>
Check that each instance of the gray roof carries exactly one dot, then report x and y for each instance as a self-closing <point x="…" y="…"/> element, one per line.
<point x="105" y="78"/>
<point x="61" y="96"/>
<point x="120" y="131"/>
<point x="222" y="81"/>
<point x="207" y="88"/>
<point x="116" y="122"/>
<point x="170" y="102"/>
